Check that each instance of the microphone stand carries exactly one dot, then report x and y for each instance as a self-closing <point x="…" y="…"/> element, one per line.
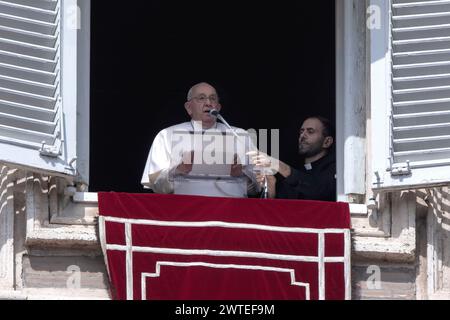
<point x="219" y="116"/>
<point x="215" y="113"/>
<point x="265" y="193"/>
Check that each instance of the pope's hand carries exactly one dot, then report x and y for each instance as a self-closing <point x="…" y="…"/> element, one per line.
<point x="186" y="166"/>
<point x="236" y="168"/>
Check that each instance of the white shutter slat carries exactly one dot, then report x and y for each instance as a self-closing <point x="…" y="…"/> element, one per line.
<point x="37" y="88"/>
<point x="430" y="56"/>
<point x="421" y="132"/>
<point x="28" y="98"/>
<point x="437" y="105"/>
<point x="426" y="103"/>
<point x="415" y="144"/>
<point x="27" y="123"/>
<point x="8" y="107"/>
<point x="415" y="119"/>
<point x="420" y="82"/>
<point x="27" y="24"/>
<point x="434" y="80"/>
<point x="410" y="35"/>
<point x="25" y="137"/>
<point x="28" y="62"/>
<point x="402" y="1"/>
<point x="420" y="94"/>
<point x="426" y="157"/>
<point x="416" y="46"/>
<point x="421" y="69"/>
<point x="421" y="20"/>
<point x="29" y="12"/>
<point x="28" y="74"/>
<point x="420" y="7"/>
<point x="28" y="49"/>
<point x="28" y="37"/>
<point x="40" y="4"/>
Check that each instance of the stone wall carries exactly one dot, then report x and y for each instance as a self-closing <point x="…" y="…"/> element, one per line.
<point x="49" y="243"/>
<point x="49" y="246"/>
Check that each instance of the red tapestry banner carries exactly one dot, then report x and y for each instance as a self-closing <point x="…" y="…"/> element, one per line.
<point x="173" y="247"/>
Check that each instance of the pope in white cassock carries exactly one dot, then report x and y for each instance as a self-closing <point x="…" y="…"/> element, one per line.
<point x="201" y="157"/>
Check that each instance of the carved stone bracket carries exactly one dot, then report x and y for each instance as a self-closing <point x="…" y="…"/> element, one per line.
<point x="391" y="234"/>
<point x="44" y="208"/>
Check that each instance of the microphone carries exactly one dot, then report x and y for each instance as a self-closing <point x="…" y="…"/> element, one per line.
<point x="214" y="113"/>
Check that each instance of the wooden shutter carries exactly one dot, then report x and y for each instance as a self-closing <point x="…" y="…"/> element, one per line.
<point x="410" y="94"/>
<point x="41" y="102"/>
<point x="421" y="82"/>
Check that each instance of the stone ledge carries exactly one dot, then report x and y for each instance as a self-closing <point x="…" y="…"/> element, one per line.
<point x="56" y="294"/>
<point x="92" y="198"/>
<point x="12" y="295"/>
<point x="401" y="250"/>
<point x="64" y="236"/>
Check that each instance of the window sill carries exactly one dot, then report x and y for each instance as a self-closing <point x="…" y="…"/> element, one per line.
<point x="92" y="197"/>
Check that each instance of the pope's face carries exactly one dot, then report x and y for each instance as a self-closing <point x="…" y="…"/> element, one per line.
<point x="204" y="98"/>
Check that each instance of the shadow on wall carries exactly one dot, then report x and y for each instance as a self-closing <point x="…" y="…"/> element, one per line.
<point x="439" y="226"/>
<point x="439" y="199"/>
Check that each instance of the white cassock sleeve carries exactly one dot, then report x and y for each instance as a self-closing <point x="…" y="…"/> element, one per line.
<point x="159" y="167"/>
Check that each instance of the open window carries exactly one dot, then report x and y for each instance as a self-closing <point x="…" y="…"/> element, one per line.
<point x="410" y="94"/>
<point x="44" y="86"/>
<point x="271" y="70"/>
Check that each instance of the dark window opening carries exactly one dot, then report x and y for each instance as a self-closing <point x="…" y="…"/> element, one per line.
<point x="272" y="64"/>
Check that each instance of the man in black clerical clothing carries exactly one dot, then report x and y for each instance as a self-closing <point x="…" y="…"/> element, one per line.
<point x="316" y="178"/>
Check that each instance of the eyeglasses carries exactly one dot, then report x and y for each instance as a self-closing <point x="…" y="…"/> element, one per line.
<point x="202" y="99"/>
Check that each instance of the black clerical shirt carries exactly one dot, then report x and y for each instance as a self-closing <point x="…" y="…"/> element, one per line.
<point x="315" y="181"/>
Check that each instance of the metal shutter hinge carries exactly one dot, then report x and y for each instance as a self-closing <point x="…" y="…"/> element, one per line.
<point x="49" y="151"/>
<point x="401" y="169"/>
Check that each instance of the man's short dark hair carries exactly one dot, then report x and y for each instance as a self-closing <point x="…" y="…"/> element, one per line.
<point x="328" y="128"/>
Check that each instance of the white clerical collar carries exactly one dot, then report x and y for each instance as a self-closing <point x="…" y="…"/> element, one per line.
<point x="308" y="166"/>
<point x="197" y="126"/>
